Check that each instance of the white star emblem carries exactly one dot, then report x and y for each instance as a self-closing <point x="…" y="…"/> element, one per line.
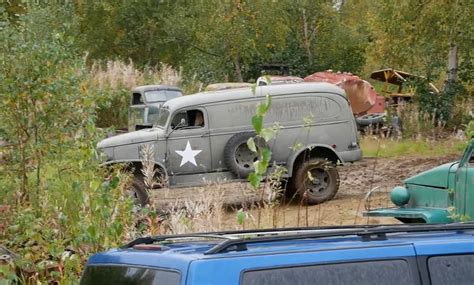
<point x="188" y="155"/>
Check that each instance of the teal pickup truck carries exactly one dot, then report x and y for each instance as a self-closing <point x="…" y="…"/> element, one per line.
<point x="440" y="195"/>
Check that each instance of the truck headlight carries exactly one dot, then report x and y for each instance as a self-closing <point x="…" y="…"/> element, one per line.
<point x="400" y="196"/>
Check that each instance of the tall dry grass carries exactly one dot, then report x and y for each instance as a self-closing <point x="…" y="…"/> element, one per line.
<point x="117" y="75"/>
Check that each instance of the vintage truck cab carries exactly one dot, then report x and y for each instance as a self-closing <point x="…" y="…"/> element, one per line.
<point x="439" y="195"/>
<point x="145" y="103"/>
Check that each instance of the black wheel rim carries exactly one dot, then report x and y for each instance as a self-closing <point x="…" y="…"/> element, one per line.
<point x="317" y="181"/>
<point x="244" y="157"/>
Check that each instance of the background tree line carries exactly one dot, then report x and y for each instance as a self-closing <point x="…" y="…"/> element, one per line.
<point x="217" y="40"/>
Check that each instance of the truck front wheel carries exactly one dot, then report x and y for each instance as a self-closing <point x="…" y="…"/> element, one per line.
<point x="316" y="180"/>
<point x="137" y="191"/>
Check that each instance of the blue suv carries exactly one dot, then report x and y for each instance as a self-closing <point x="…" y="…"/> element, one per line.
<point x="386" y="254"/>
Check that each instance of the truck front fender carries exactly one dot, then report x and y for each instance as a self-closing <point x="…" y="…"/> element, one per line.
<point x="411" y="215"/>
<point x="134" y="161"/>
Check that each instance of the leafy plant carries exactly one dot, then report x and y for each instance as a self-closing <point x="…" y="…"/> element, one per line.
<point x="470" y="129"/>
<point x="264" y="153"/>
<point x="61" y="210"/>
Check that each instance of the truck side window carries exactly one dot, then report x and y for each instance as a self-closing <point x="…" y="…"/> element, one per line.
<point x="365" y="272"/>
<point x="137" y="99"/>
<point x="471" y="159"/>
<point x="451" y="269"/>
<point x="198" y="119"/>
<point x="190" y="119"/>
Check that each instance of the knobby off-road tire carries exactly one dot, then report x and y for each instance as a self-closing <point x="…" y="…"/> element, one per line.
<point x="238" y="157"/>
<point x="137" y="191"/>
<point x="316" y="180"/>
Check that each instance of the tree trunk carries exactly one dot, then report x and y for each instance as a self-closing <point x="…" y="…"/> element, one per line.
<point x="238" y="70"/>
<point x="306" y="38"/>
<point x="452" y="68"/>
<point x="453" y="62"/>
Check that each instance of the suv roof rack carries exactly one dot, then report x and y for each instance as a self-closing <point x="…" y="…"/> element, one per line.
<point x="238" y="240"/>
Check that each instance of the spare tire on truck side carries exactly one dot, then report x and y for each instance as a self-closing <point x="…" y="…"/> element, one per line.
<point x="237" y="155"/>
<point x="370" y="119"/>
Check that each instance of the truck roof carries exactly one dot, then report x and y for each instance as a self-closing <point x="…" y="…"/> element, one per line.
<point x="144" y="88"/>
<point x="179" y="250"/>
<point x="246" y="93"/>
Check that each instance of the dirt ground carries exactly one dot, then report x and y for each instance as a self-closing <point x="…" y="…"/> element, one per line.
<point x="345" y="209"/>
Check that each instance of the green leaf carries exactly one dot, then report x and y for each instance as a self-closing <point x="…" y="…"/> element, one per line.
<point x="266" y="154"/>
<point x="251" y="144"/>
<point x="114" y="182"/>
<point x="263" y="107"/>
<point x="253" y="87"/>
<point x="267" y="134"/>
<point x="254" y="180"/>
<point x="257" y="123"/>
<point x="94" y="185"/>
<point x="240" y="217"/>
<point x="258" y="167"/>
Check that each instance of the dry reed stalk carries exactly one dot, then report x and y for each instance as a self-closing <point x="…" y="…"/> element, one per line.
<point x="202" y="215"/>
<point x="148" y="170"/>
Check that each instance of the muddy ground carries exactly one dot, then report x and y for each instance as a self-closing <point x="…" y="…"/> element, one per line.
<point x="345" y="209"/>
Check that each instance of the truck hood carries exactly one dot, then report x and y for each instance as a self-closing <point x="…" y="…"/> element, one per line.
<point x="140" y="136"/>
<point x="435" y="177"/>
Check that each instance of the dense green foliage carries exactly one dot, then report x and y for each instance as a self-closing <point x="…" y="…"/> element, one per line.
<point x="58" y="83"/>
<point x="223" y="40"/>
<point x="56" y="207"/>
<point x="229" y="40"/>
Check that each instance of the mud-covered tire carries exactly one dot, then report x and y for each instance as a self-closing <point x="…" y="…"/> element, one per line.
<point x="238" y="157"/>
<point x="316" y="180"/>
<point x="137" y="191"/>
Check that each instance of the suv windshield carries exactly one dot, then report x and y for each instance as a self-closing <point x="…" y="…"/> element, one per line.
<point x="162" y="118"/>
<point x="161" y="95"/>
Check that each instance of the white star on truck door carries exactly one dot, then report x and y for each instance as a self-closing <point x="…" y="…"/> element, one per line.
<point x="188" y="155"/>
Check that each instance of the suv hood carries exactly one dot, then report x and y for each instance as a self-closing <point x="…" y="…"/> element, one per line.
<point x="131" y="138"/>
<point x="435" y="177"/>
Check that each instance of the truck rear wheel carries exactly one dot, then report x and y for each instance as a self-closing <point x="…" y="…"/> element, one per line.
<point x="316" y="180"/>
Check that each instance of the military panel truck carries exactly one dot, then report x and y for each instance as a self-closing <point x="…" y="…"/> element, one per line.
<point x="203" y="137"/>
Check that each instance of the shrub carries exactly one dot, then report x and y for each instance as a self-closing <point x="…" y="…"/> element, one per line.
<point x="59" y="209"/>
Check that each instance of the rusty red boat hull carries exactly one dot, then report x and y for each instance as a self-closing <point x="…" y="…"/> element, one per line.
<point x="360" y="93"/>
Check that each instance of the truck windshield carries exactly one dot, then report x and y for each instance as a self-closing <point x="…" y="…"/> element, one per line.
<point x="161" y="95"/>
<point x="108" y="274"/>
<point x="136" y="116"/>
<point x="162" y="118"/>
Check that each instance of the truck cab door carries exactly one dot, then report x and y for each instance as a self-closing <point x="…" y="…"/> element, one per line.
<point x="464" y="192"/>
<point x="188" y="143"/>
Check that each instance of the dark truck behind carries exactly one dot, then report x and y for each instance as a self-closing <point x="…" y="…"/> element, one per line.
<point x="145" y="104"/>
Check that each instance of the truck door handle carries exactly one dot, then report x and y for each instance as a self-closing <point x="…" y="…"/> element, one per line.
<point x="205" y="134"/>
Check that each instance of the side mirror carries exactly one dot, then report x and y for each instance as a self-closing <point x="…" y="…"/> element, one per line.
<point x="181" y="123"/>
